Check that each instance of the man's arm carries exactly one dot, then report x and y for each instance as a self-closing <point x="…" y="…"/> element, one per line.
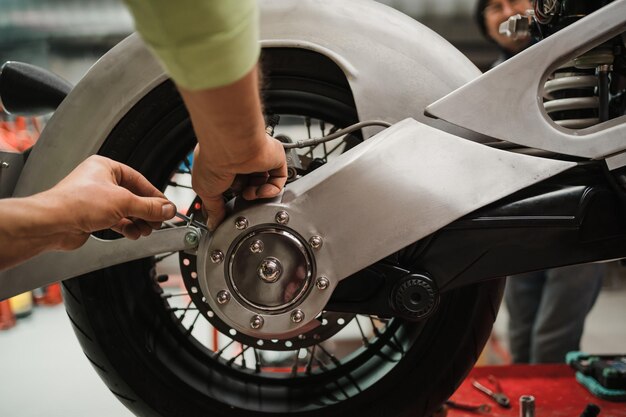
<point x="99" y="194"/>
<point x="210" y="49"/>
<point x="231" y="141"/>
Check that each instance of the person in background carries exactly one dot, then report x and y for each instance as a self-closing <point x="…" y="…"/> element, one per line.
<point x="210" y="49"/>
<point x="547" y="309"/>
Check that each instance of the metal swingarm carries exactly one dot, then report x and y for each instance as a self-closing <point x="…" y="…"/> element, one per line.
<point x="405" y="183"/>
<point x="95" y="254"/>
<point x="575" y="217"/>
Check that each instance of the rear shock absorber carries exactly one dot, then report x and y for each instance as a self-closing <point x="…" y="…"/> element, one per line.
<point x="577" y="95"/>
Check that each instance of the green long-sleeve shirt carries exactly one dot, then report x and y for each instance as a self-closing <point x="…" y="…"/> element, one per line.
<point x="201" y="43"/>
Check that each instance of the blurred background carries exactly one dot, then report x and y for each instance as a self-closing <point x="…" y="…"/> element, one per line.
<point x="40" y="356"/>
<point x="67" y="36"/>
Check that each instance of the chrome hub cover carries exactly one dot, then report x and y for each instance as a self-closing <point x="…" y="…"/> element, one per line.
<point x="264" y="283"/>
<point x="274" y="279"/>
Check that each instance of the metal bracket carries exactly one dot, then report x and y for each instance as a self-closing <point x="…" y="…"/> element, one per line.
<point x="95" y="254"/>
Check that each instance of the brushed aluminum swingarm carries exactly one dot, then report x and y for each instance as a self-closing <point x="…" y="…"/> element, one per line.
<point x="510" y="95"/>
<point x="95" y="254"/>
<point x="403" y="184"/>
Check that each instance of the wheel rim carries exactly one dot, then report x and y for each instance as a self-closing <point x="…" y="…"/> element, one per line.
<point x="284" y="364"/>
<point x="322" y="378"/>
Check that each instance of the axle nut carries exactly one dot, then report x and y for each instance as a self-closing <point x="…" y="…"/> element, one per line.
<point x="270" y="269"/>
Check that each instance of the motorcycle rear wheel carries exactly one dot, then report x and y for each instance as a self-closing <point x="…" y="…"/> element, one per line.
<point x="151" y="364"/>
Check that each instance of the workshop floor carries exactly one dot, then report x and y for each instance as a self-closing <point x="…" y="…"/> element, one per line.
<point x="45" y="374"/>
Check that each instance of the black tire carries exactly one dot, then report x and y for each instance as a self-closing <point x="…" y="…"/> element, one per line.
<point x="142" y="355"/>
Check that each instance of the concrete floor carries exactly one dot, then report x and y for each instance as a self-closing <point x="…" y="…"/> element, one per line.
<point x="45" y="374"/>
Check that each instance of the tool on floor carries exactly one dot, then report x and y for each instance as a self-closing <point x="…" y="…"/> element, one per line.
<point x="497" y="395"/>
<point x="478" y="408"/>
<point x="603" y="375"/>
<point x="591" y="410"/>
<point x="526" y="406"/>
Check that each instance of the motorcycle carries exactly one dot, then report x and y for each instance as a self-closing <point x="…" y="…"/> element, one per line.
<point x="429" y="181"/>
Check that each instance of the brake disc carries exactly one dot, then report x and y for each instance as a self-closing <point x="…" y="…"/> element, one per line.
<point x="248" y="258"/>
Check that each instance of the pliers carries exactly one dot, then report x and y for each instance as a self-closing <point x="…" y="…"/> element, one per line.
<point x="498" y="396"/>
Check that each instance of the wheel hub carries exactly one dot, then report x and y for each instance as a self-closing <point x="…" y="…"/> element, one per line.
<point x="263" y="284"/>
<point x="274" y="277"/>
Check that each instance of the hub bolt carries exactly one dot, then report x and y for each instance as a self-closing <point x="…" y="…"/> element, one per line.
<point x="191" y="239"/>
<point x="241" y="223"/>
<point x="256" y="322"/>
<point x="4" y="164"/>
<point x="297" y="316"/>
<point x="217" y="256"/>
<point x="315" y="242"/>
<point x="223" y="297"/>
<point x="282" y="217"/>
<point x="256" y="246"/>
<point x="322" y="283"/>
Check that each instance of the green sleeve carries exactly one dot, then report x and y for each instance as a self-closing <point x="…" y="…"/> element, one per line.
<point x="201" y="43"/>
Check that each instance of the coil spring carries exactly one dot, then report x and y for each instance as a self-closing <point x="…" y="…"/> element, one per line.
<point x="574" y="96"/>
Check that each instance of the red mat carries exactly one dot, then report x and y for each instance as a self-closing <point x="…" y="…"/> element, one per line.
<point x="556" y="392"/>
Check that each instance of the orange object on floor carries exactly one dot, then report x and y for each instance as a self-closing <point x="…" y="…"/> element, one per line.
<point x="7" y="318"/>
<point x="52" y="296"/>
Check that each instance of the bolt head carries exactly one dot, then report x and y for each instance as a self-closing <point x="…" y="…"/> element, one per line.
<point x="217" y="256"/>
<point x="241" y="223"/>
<point x="316" y="242"/>
<point x="282" y="217"/>
<point x="256" y="246"/>
<point x="270" y="269"/>
<point x="322" y="283"/>
<point x="191" y="238"/>
<point x="256" y="322"/>
<point x="223" y="297"/>
<point x="4" y="164"/>
<point x="297" y="316"/>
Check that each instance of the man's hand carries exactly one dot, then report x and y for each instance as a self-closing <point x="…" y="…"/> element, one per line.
<point x="233" y="150"/>
<point x="262" y="175"/>
<point x="104" y="194"/>
<point x="99" y="194"/>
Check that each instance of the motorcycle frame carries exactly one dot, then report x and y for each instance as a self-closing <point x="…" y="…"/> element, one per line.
<point x="453" y="176"/>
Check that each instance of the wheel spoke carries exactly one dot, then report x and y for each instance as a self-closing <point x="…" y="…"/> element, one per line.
<point x="363" y="338"/>
<point x="310" y="361"/>
<point x="257" y="363"/>
<point x="294" y="367"/>
<point x="182" y="294"/>
<point x="221" y="351"/>
<point x="232" y="360"/>
<point x="332" y="357"/>
<point x="193" y="323"/>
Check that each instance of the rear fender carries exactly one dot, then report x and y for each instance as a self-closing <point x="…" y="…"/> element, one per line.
<point x="394" y="65"/>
